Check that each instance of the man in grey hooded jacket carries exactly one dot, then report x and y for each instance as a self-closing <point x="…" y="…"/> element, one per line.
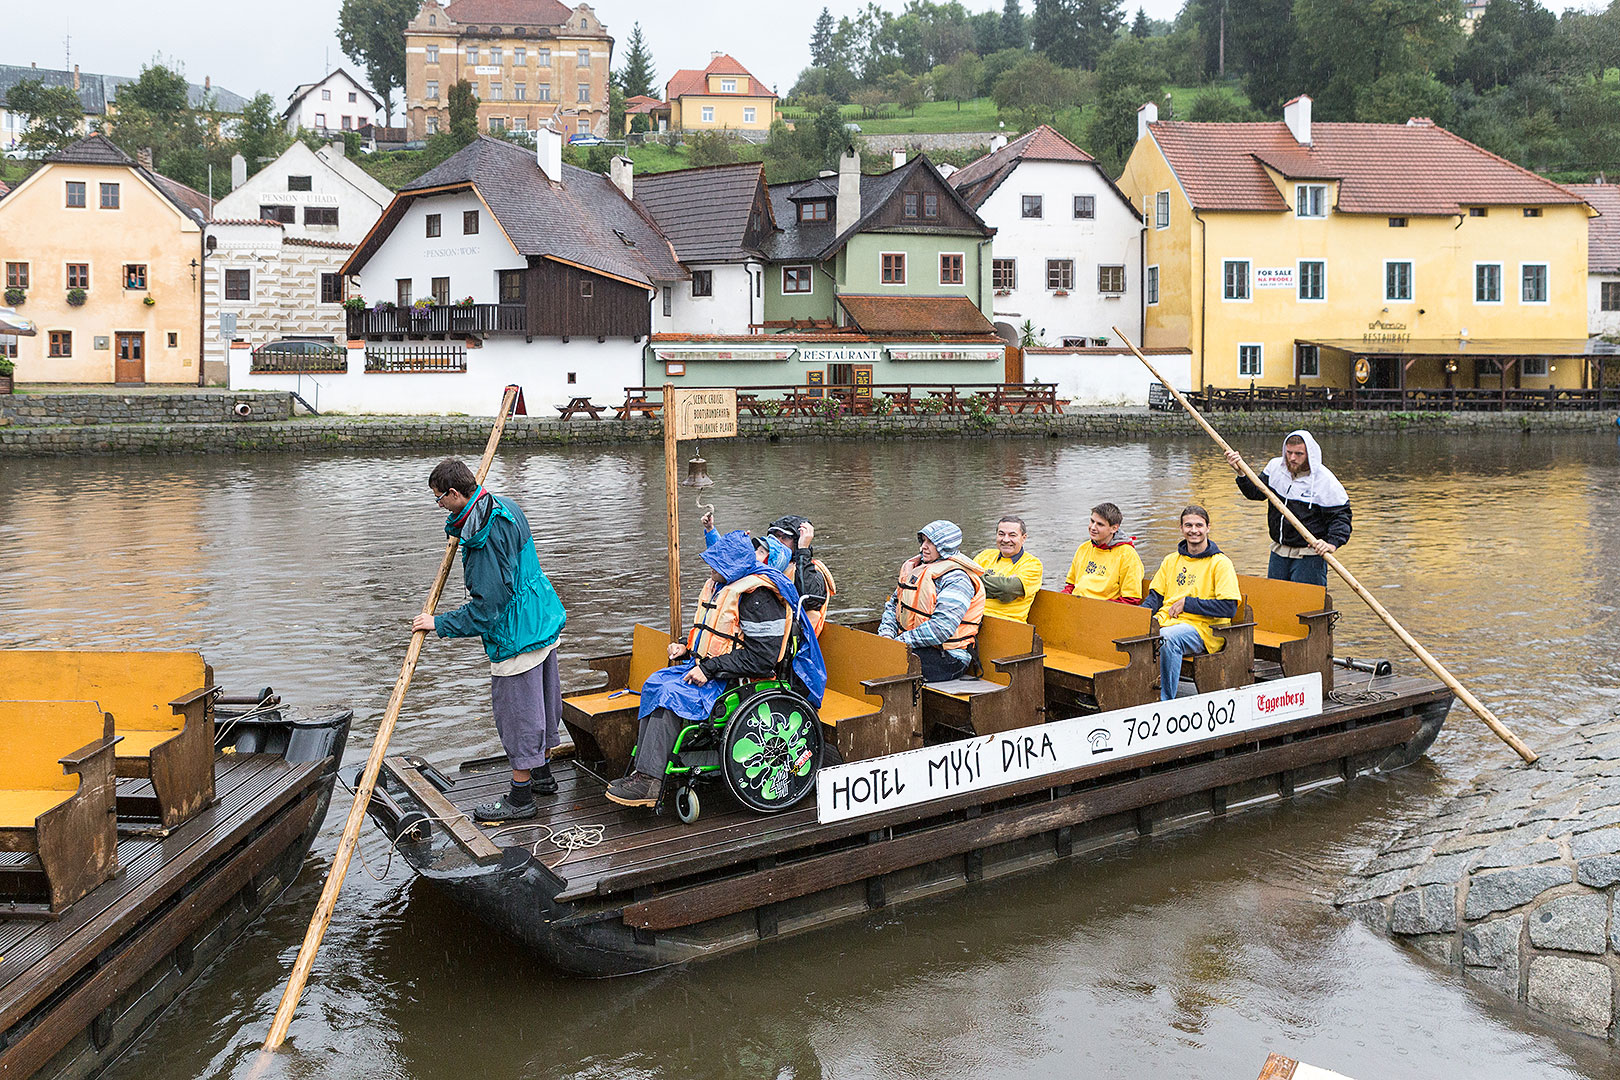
<point x="1314" y="495"/>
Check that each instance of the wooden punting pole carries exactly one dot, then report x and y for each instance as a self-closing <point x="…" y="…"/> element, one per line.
<point x="672" y="513"/>
<point x="368" y="778"/>
<point x="1407" y="639"/>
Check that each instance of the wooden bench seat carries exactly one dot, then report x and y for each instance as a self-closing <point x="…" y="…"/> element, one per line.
<point x="873" y="703"/>
<point x="57" y="792"/>
<point x="1096" y="649"/>
<point x="1293" y="625"/>
<point x="1233" y="666"/>
<point x="603" y="723"/>
<point x="1010" y="692"/>
<point x="162" y="704"/>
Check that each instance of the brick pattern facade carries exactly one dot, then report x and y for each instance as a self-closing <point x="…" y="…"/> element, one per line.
<point x="285" y="284"/>
<point x="523" y="73"/>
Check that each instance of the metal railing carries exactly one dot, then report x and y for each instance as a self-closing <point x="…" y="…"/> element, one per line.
<point x="397" y="359"/>
<point x="299" y="364"/>
<point x="1410" y="399"/>
<point x="438" y="320"/>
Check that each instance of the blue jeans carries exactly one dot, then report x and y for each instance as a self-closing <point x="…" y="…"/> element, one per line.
<point x="1175" y="641"/>
<point x="1311" y="570"/>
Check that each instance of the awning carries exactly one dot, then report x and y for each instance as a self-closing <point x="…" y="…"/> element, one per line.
<point x="14" y="325"/>
<point x="1452" y="348"/>
<point x="882" y="315"/>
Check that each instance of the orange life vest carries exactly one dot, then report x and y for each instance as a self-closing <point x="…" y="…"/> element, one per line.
<point x="718" y="626"/>
<point x="818" y="618"/>
<point x="917" y="593"/>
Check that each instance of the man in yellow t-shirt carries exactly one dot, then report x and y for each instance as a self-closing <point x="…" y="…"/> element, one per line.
<point x="1012" y="575"/>
<point x="1106" y="568"/>
<point x="1195" y="590"/>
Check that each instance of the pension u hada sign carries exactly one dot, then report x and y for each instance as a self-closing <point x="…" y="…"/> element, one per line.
<point x="935" y="772"/>
<point x="704" y="414"/>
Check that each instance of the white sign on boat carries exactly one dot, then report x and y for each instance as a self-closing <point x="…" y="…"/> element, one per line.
<point x="935" y="772"/>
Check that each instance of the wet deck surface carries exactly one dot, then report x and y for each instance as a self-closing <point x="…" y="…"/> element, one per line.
<point x="638" y="847"/>
<point x="38" y="956"/>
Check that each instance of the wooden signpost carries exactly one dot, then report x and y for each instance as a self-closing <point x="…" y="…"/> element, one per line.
<point x="708" y="413"/>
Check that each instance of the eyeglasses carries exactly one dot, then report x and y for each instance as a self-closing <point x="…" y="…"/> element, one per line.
<point x="438" y="500"/>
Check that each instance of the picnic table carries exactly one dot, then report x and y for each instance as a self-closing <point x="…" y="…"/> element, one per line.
<point x="1017" y="397"/>
<point x="637" y="402"/>
<point x="579" y="405"/>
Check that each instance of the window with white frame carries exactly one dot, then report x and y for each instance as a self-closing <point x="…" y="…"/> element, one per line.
<point x="728" y="86"/>
<point x="749" y="113"/>
<point x="1487" y="283"/>
<point x="1060" y="274"/>
<point x="584" y="94"/>
<point x="1251" y="361"/>
<point x="1085" y="206"/>
<point x="1004" y="274"/>
<point x="433" y="89"/>
<point x="1307" y="361"/>
<point x="520" y="55"/>
<point x="1110" y="279"/>
<point x="520" y="92"/>
<point x="1235" y="279"/>
<point x="433" y="54"/>
<point x="1152" y="285"/>
<point x="1161" y="210"/>
<point x="542" y="92"/>
<point x="496" y="92"/>
<point x="582" y="58"/>
<point x="1533" y="283"/>
<point x="472" y="54"/>
<point x="1310" y="200"/>
<point x="1312" y="279"/>
<point x="326" y="95"/>
<point x="542" y="57"/>
<point x="1397" y="280"/>
<point x="433" y="125"/>
<point x="1535" y="367"/>
<point x="708" y="114"/>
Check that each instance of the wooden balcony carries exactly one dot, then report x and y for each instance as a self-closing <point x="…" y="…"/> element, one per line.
<point x="438" y="320"/>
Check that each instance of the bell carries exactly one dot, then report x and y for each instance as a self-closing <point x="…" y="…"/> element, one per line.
<point x="697" y="474"/>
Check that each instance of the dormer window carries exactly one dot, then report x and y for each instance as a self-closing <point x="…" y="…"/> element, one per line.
<point x="1310" y="200"/>
<point x="814" y="210"/>
<point x="728" y="86"/>
<point x="912" y="202"/>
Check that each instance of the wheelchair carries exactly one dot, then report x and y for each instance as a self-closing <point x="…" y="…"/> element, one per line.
<point x="762" y="738"/>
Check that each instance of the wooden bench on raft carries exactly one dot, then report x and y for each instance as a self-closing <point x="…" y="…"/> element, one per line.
<point x="873" y="703"/>
<point x="603" y="723"/>
<point x="1293" y="625"/>
<point x="1233" y="666"/>
<point x="162" y="705"/>
<point x="56" y="803"/>
<point x="1097" y="648"/>
<point x="1009" y="693"/>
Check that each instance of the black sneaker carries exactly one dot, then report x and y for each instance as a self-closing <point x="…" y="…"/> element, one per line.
<point x="503" y="810"/>
<point x="637" y="789"/>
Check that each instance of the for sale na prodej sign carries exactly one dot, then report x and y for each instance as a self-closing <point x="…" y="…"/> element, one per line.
<point x="936" y="772"/>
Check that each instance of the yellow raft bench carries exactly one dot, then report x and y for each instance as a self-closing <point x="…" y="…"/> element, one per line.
<point x="162" y="705"/>
<point x="57" y="793"/>
<point x="1096" y="648"/>
<point x="602" y="723"/>
<point x="1293" y="625"/>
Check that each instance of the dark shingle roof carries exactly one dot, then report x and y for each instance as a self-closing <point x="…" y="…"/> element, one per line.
<point x="584" y="220"/>
<point x="818" y="240"/>
<point x="704" y="212"/>
<point x="1603" y="231"/>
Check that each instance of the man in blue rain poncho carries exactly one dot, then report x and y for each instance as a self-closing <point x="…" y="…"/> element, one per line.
<point x="744" y="629"/>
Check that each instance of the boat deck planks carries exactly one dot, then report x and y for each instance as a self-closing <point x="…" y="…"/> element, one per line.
<point x="639" y="848"/>
<point x="36" y="957"/>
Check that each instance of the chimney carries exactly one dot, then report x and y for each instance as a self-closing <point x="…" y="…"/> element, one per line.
<point x="238" y="171"/>
<point x="717" y="54"/>
<point x="143" y="158"/>
<point x="897" y="158"/>
<point x="1147" y="114"/>
<point x="997" y="141"/>
<point x="623" y="174"/>
<point x="1297" y="115"/>
<point x="548" y="144"/>
<point x="208" y="82"/>
<point x="75" y="76"/>
<point x="337" y="146"/>
<point x="849" y="188"/>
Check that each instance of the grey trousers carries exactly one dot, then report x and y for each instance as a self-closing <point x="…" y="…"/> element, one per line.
<point x="527" y="709"/>
<point x="659" y="729"/>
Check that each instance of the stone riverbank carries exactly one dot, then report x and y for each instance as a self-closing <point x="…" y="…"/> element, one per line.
<point x="36" y="436"/>
<point x="1513" y="881"/>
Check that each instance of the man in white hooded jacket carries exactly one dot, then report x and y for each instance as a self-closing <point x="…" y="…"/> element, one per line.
<point x="1314" y="495"/>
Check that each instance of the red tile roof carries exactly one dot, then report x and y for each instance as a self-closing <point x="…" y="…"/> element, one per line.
<point x="688" y="81"/>
<point x="916" y="315"/>
<point x="641" y="103"/>
<point x="1417" y="168"/>
<point x="1603" y="231"/>
<point x="331" y="245"/>
<point x="979" y="179"/>
<point x="3" y="190"/>
<point x="246" y="221"/>
<point x="516" y="12"/>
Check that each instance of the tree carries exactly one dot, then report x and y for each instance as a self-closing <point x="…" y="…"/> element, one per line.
<point x="615" y="111"/>
<point x="638" y="77"/>
<point x="54" y="114"/>
<point x="1126" y="77"/>
<point x="1261" y="40"/>
<point x="463" y="105"/>
<point x="1014" y="26"/>
<point x="154" y="113"/>
<point x="1056" y="31"/>
<point x="1098" y="19"/>
<point x="711" y="148"/>
<point x="1140" y="28"/>
<point x="372" y="34"/>
<point x="958" y="81"/>
<point x="1214" y="107"/>
<point x="986" y="33"/>
<point x="260" y="136"/>
<point x="1034" y="92"/>
<point x="1347" y="45"/>
<point x="821" y="40"/>
<point x="1512" y="38"/>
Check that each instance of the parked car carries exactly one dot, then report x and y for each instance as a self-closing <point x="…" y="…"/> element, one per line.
<point x="585" y="138"/>
<point x="853" y="127"/>
<point x="299" y="354"/>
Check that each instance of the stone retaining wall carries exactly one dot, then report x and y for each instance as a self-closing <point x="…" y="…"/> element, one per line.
<point x="1513" y="881"/>
<point x="320" y="433"/>
<point x="34" y="410"/>
<point x="939" y="140"/>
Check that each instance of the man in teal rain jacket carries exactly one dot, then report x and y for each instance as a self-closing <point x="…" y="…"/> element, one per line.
<point x="513" y="608"/>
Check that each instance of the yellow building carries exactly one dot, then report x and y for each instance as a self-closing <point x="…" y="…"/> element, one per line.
<point x="91" y="225"/>
<point x="1377" y="255"/>
<point x="529" y="62"/>
<point x="723" y="96"/>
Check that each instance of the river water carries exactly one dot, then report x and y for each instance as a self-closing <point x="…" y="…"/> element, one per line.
<point x="1192" y="954"/>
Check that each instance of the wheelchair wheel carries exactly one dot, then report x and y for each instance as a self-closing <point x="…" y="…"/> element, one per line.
<point x="771" y="750"/>
<point x="687" y="806"/>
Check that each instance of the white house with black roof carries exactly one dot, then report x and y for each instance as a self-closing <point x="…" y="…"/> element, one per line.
<point x="502" y="265"/>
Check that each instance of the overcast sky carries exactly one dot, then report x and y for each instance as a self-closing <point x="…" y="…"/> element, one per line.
<point x="247" y="48"/>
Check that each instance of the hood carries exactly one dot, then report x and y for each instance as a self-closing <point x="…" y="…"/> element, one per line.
<point x="1318" y="487"/>
<point x="1209" y="550"/>
<point x="732" y="556"/>
<point x="1129" y="541"/>
<point x="1313" y="452"/>
<point x="468" y="522"/>
<point x="944" y="535"/>
<point x="788" y="526"/>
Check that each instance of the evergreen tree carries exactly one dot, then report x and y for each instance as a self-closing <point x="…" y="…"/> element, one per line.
<point x="1098" y="20"/>
<point x="54" y="114"/>
<point x="821" y="40"/>
<point x="463" y="106"/>
<point x="1139" y="27"/>
<point x="1261" y="40"/>
<point x="1014" y="27"/>
<point x="638" y="76"/>
<point x="1056" y="31"/>
<point x="1348" y="45"/>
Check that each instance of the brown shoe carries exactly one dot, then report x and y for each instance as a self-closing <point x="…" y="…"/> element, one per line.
<point x="637" y="789"/>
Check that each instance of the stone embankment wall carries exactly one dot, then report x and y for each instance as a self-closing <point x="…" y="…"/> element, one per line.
<point x="1513" y="881"/>
<point x="307" y="433"/>
<point x="36" y="410"/>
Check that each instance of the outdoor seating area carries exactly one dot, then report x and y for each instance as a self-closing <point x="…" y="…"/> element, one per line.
<point x="1410" y="399"/>
<point x="882" y="399"/>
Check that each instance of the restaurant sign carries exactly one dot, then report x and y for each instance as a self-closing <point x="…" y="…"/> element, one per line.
<point x="1379" y="330"/>
<point x="936" y="772"/>
<point x="840" y="354"/>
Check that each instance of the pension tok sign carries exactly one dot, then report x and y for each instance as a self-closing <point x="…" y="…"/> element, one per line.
<point x="704" y="414"/>
<point x="1106" y="739"/>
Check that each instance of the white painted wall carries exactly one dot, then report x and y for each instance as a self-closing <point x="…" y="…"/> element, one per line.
<point x="470" y="262"/>
<point x="1598" y="320"/>
<point x="725" y="312"/>
<point x="601" y="371"/>
<point x="334" y="181"/>
<point x="1098" y="377"/>
<point x="285" y="286"/>
<point x="360" y="111"/>
<point x="1113" y="237"/>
